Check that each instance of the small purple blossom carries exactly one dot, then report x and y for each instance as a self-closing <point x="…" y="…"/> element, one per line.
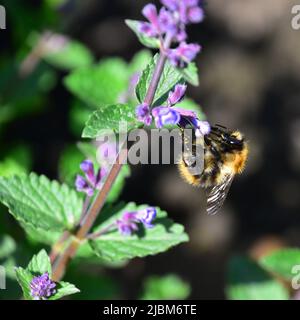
<point x="129" y="221"/>
<point x="91" y="181"/>
<point x="127" y="224"/>
<point x="171" y="115"/>
<point x="87" y="167"/>
<point x="146" y="216"/>
<point x="188" y="11"/>
<point x="143" y="114"/>
<point x="183" y="54"/>
<point x="42" y="287"/>
<point x="82" y="186"/>
<point x="202" y="127"/>
<point x="171" y="19"/>
<point x="151" y="28"/>
<point x="177" y="95"/>
<point x="165" y="116"/>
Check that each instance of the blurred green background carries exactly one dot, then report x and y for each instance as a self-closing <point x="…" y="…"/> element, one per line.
<point x="249" y="79"/>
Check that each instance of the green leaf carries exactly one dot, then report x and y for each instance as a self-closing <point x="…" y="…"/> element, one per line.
<point x="101" y="84"/>
<point x="281" y="262"/>
<point x="115" y="247"/>
<point x="7" y="246"/>
<point x="73" y="55"/>
<point x="74" y="155"/>
<point x="190" y="74"/>
<point x="37" y="235"/>
<point x="140" y="61"/>
<point x="41" y="203"/>
<point x="64" y="289"/>
<point x="88" y="149"/>
<point x="109" y="118"/>
<point x="146" y="41"/>
<point x="69" y="164"/>
<point x="40" y="264"/>
<point x="9" y="167"/>
<point x="247" y="281"/>
<point x="169" y="78"/>
<point x="78" y="116"/>
<point x="169" y="287"/>
<point x="24" y="278"/>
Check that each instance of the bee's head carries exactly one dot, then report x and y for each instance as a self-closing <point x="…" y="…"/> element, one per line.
<point x="232" y="140"/>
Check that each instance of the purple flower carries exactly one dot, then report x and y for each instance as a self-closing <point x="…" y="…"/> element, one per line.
<point x="158" y="24"/>
<point x="188" y="11"/>
<point x="165" y="116"/>
<point x="183" y="54"/>
<point x="146" y="216"/>
<point x="128" y="223"/>
<point x="107" y="154"/>
<point x="87" y="167"/>
<point x="143" y="114"/>
<point x="82" y="186"/>
<point x="167" y="22"/>
<point x="42" y="287"/>
<point x="177" y="95"/>
<point x="202" y="127"/>
<point x="150" y="12"/>
<point x="91" y="181"/>
<point x="151" y="28"/>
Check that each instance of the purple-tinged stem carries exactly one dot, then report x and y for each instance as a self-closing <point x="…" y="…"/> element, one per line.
<point x="61" y="262"/>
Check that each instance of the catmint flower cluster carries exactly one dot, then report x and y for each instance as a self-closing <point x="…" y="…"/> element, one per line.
<point x="42" y="287"/>
<point x="129" y="221"/>
<point x="171" y="21"/>
<point x="171" y="115"/>
<point x="92" y="180"/>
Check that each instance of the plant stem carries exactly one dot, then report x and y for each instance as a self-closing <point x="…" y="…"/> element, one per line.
<point x="158" y="71"/>
<point x="61" y="262"/>
<point x="90" y="217"/>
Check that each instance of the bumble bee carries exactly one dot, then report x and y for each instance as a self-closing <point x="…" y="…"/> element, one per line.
<point x="225" y="155"/>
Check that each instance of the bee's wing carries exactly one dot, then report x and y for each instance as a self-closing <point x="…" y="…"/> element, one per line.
<point x="217" y="195"/>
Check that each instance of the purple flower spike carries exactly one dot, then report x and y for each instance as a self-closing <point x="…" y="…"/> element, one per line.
<point x="183" y="54"/>
<point x="42" y="287"/>
<point x="143" y="114"/>
<point x="165" y="116"/>
<point x="82" y="186"/>
<point x="176" y="95"/>
<point x="146" y="216"/>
